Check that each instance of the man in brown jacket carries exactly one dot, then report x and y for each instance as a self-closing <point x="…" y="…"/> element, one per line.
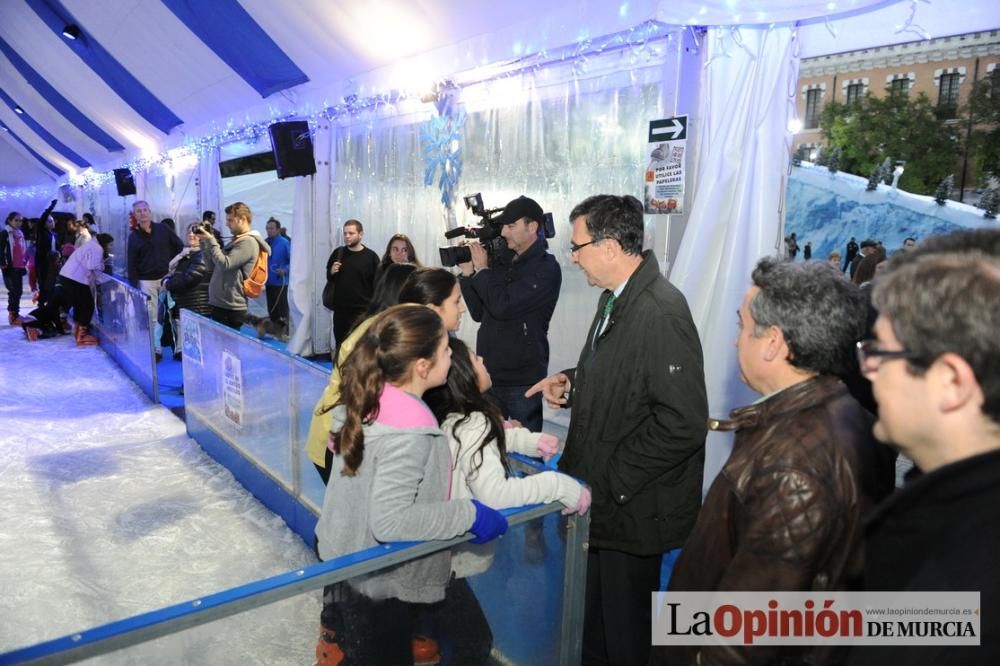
<point x="785" y="512"/>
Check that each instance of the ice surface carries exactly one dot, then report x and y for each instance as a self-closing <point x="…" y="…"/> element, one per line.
<point x="110" y="510"/>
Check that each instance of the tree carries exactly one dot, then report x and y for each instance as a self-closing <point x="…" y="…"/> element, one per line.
<point x="870" y="129"/>
<point x="943" y="190"/>
<point x="887" y="171"/>
<point x="801" y="154"/>
<point x="833" y="164"/>
<point x="990" y="202"/>
<point x="984" y="111"/>
<point x="873" y="179"/>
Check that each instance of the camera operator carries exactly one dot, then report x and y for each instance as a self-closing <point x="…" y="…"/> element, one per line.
<point x="513" y="301"/>
<point x="233" y="264"/>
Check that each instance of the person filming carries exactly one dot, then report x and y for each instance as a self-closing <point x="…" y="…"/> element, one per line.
<point x="514" y="301"/>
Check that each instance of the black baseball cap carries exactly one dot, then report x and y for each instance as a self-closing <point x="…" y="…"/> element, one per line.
<point x="518" y="208"/>
<point x="868" y="242"/>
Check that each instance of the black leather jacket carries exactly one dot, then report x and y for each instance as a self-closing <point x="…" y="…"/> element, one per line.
<point x="785" y="512"/>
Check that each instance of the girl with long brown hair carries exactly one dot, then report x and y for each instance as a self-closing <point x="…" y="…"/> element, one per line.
<point x="389" y="482"/>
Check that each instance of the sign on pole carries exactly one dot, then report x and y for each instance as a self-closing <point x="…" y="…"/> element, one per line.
<point x="665" y="173"/>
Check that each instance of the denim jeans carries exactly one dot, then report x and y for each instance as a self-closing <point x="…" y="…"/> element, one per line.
<point x="515" y="406"/>
<point x="13" y="279"/>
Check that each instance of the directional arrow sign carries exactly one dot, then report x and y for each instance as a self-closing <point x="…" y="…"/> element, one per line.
<point x="668" y="129"/>
<point x="664" y="178"/>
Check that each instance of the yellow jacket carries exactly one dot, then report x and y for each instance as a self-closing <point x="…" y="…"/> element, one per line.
<point x="322" y="420"/>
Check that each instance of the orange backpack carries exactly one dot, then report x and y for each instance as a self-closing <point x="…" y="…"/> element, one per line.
<point x="253" y="285"/>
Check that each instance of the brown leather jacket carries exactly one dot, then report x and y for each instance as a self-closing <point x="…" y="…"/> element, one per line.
<point x="785" y="512"/>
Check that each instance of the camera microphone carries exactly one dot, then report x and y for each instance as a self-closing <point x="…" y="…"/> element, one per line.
<point x="458" y="232"/>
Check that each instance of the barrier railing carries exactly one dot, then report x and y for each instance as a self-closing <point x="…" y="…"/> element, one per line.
<point x="249" y="406"/>
<point x="526" y="608"/>
<point x="125" y="333"/>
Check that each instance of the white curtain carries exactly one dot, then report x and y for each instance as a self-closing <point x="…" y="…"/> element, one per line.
<point x="210" y="185"/>
<point x="557" y="137"/>
<point x="747" y="97"/>
<point x="312" y="326"/>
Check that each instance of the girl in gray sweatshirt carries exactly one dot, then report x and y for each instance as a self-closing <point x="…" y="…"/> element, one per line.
<point x="390" y="481"/>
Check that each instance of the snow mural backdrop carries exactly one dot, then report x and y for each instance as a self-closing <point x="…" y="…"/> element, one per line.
<point x="827" y="209"/>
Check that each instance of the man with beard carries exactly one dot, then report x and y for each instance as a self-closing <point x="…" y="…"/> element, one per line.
<point x="350" y="275"/>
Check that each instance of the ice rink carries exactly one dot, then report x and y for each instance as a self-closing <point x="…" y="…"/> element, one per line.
<point x="110" y="510"/>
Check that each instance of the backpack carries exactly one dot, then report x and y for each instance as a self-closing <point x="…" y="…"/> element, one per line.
<point x="253" y="285"/>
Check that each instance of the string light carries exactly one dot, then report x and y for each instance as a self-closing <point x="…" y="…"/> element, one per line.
<point x="637" y="42"/>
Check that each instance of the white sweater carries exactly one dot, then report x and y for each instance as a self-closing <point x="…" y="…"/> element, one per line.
<point x="489" y="485"/>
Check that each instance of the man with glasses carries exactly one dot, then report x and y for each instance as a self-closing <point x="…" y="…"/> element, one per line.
<point x="514" y="301"/>
<point x="637" y="430"/>
<point x="935" y="372"/>
<point x="785" y="512"/>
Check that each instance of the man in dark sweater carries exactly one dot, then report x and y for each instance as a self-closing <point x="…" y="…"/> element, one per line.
<point x="351" y="271"/>
<point x="150" y="249"/>
<point x="932" y="366"/>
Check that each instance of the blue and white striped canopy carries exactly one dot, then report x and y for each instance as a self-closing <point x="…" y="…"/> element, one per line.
<point x="142" y="75"/>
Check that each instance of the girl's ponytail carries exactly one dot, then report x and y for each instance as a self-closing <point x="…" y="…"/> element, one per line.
<point x="386" y="352"/>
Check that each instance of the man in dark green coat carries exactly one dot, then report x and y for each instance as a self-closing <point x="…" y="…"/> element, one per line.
<point x="637" y="431"/>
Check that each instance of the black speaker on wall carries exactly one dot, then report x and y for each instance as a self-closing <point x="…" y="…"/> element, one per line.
<point x="293" y="148"/>
<point x="124" y="182"/>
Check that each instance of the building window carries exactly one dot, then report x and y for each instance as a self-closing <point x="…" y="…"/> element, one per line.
<point x="854" y="92"/>
<point x="948" y="95"/>
<point x="995" y="83"/>
<point x="899" y="86"/>
<point x="812" y="108"/>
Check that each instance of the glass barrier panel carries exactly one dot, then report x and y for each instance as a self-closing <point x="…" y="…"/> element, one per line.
<point x="521" y="603"/>
<point x="123" y="328"/>
<point x="309" y="380"/>
<point x="254" y="399"/>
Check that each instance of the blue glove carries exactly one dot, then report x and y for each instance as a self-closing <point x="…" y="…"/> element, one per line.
<point x="489" y="523"/>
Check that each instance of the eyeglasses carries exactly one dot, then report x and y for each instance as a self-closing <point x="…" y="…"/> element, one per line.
<point x="574" y="248"/>
<point x="868" y="349"/>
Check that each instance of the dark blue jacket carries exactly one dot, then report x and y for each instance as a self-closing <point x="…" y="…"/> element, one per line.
<point x="149" y="254"/>
<point x="514" y="305"/>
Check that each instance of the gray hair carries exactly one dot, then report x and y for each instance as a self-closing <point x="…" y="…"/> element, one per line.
<point x="820" y="313"/>
<point x="947" y="302"/>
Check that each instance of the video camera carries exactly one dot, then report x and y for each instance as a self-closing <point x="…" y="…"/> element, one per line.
<point x="487" y="233"/>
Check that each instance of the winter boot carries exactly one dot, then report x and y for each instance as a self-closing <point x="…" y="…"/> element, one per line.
<point x="84" y="339"/>
<point x="14" y="319"/>
<point x="30" y="332"/>
<point x="425" y="651"/>
<point x="328" y="649"/>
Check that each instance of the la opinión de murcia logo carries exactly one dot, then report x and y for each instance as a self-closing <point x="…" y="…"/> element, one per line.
<point x="811" y="618"/>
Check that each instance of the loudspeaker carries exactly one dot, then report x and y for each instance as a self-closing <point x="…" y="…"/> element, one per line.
<point x="124" y="182"/>
<point x="293" y="148"/>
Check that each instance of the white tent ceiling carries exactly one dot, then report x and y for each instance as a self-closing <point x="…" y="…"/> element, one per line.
<point x="336" y="43"/>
